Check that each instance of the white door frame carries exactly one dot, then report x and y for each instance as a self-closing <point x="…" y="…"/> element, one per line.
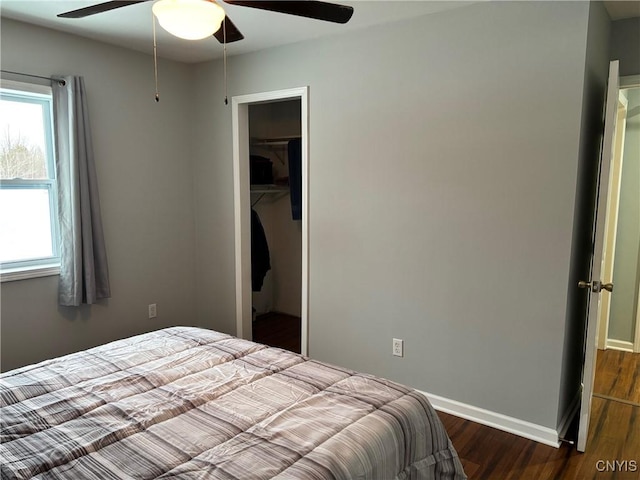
<point x="611" y="220"/>
<point x="242" y="204"/>
<point x="636" y="341"/>
<point x="626" y="82"/>
<point x="633" y="81"/>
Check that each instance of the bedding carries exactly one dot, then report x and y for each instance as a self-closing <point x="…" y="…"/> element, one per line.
<point x="190" y="403"/>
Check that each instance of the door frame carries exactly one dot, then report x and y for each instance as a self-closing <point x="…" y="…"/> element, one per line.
<point x="636" y="342"/>
<point x="626" y="82"/>
<point x="633" y="81"/>
<point x="611" y="219"/>
<point x="242" y="205"/>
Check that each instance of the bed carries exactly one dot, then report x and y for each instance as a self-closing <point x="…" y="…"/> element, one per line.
<point x="190" y="403"/>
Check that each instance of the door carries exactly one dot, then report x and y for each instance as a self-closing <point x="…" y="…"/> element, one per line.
<point x="594" y="284"/>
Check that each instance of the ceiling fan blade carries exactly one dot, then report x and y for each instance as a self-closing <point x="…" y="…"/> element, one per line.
<point x="230" y="30"/>
<point x="329" y="12"/>
<point x="99" y="8"/>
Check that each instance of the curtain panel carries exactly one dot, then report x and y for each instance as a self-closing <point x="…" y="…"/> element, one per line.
<point x="84" y="275"/>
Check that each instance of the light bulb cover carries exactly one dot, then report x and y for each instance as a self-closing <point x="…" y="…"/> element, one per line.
<point x="189" y="19"/>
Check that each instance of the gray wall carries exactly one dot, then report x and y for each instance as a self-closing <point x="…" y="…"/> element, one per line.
<point x="625" y="45"/>
<point x="443" y="150"/>
<point x="443" y="160"/>
<point x="626" y="266"/>
<point x="143" y="160"/>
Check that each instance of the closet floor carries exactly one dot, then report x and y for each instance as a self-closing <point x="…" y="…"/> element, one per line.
<point x="278" y="330"/>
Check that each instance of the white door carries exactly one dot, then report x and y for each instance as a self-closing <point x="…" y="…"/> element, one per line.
<point x="594" y="284"/>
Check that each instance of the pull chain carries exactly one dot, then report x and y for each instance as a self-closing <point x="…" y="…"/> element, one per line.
<point x="224" y="56"/>
<point x="155" y="56"/>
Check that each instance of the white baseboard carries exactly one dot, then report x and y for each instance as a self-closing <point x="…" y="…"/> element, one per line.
<point x="538" y="433"/>
<point x="569" y="415"/>
<point x="619" y="345"/>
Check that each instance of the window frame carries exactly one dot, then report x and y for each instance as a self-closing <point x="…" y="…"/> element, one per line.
<point x="44" y="266"/>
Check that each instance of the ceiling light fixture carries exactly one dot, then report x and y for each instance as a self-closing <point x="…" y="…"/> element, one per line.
<point x="189" y="19"/>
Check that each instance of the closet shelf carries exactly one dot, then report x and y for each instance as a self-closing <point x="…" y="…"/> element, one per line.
<point x="269" y="188"/>
<point x="273" y="142"/>
<point x="275" y="145"/>
<point x="270" y="192"/>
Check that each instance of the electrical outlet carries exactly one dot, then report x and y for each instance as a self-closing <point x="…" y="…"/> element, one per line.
<point x="398" y="347"/>
<point x="152" y="310"/>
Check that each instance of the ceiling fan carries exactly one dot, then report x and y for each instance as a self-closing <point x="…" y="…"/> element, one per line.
<point x="209" y="15"/>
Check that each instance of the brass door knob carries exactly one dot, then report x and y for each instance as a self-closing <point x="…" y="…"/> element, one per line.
<point x="596" y="286"/>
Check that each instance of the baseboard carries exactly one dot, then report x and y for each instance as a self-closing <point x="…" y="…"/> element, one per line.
<point x="570" y="414"/>
<point x="619" y="345"/>
<point x="538" y="433"/>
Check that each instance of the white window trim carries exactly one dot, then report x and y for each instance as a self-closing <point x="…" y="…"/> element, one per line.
<point x="24" y="273"/>
<point x="50" y="266"/>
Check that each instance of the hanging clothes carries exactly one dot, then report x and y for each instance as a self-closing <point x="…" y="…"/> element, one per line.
<point x="294" y="155"/>
<point x="260" y="261"/>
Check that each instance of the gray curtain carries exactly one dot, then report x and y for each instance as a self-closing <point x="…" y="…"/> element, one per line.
<point x="84" y="276"/>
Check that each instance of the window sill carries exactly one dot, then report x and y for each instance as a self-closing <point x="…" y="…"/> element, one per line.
<point x="24" y="273"/>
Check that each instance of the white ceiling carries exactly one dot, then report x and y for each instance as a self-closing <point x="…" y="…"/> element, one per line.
<point x="131" y="26"/>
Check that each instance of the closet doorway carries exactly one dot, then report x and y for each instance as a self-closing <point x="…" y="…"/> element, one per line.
<point x="265" y="135"/>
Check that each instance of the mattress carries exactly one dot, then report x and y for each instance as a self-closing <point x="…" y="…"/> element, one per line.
<point x="190" y="403"/>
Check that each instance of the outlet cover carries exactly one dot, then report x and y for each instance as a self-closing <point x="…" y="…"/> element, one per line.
<point x="152" y="310"/>
<point x="398" y="347"/>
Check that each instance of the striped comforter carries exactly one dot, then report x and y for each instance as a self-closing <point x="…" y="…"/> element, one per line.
<point x="188" y="403"/>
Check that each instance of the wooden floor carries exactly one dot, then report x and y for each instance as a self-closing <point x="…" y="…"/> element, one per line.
<point x="278" y="330"/>
<point x="618" y="376"/>
<point x="614" y="434"/>
<point x="491" y="454"/>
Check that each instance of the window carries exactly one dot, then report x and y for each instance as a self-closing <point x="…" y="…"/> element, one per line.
<point x="29" y="240"/>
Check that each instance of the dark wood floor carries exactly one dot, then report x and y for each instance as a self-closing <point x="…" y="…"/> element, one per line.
<point x="491" y="454"/>
<point x="618" y="376"/>
<point x="614" y="435"/>
<point x="278" y="330"/>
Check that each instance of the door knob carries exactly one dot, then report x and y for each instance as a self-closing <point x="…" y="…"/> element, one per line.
<point x="596" y="286"/>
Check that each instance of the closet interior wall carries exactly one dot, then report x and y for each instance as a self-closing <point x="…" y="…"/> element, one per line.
<point x="282" y="288"/>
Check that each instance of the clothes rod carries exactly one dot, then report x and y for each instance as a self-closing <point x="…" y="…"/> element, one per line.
<point x="61" y="81"/>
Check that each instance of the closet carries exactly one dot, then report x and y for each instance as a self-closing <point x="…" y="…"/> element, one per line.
<point x="276" y="227"/>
